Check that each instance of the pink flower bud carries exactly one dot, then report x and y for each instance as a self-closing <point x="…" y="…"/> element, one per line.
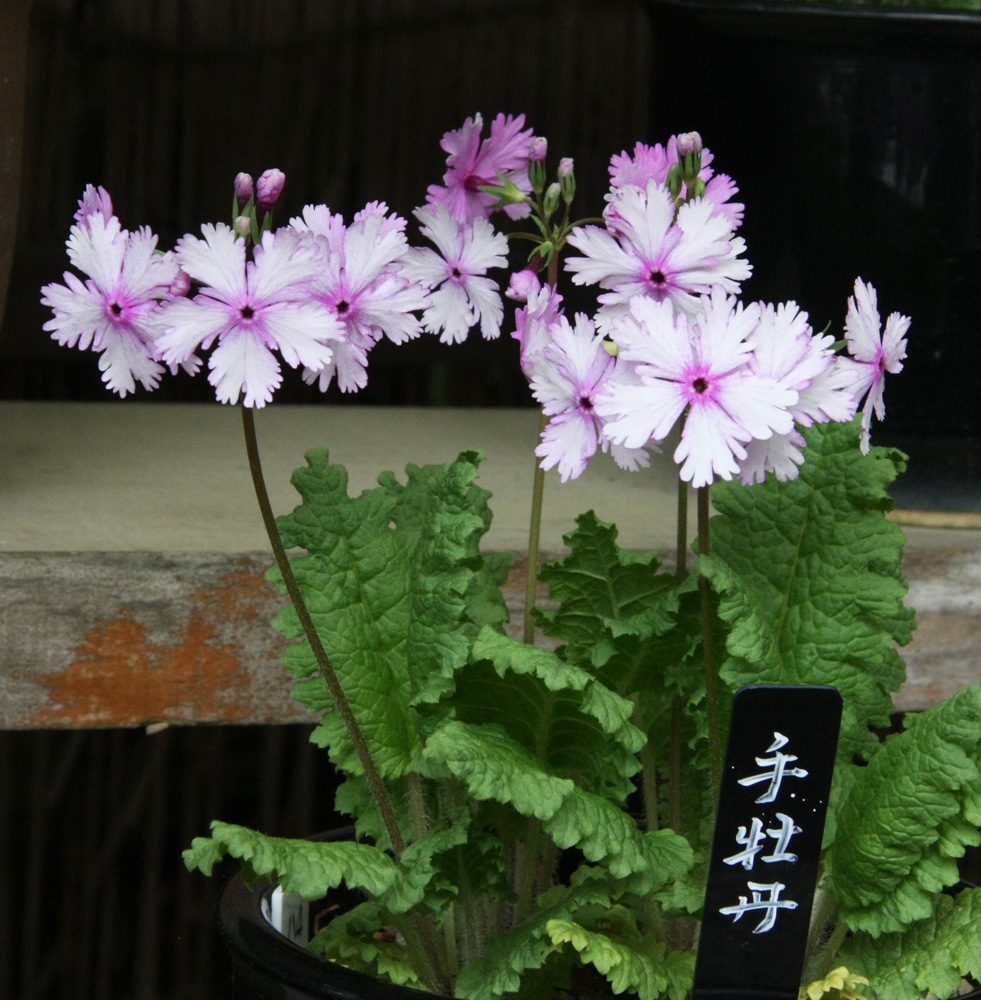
<point x="522" y="284"/>
<point x="566" y="165"/>
<point x="243" y="189"/>
<point x="537" y="148"/>
<point x="269" y="186"/>
<point x="689" y="142"/>
<point x="242" y="225"/>
<point x="181" y="284"/>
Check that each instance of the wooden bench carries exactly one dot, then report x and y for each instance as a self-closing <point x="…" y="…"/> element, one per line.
<point x="132" y="556"/>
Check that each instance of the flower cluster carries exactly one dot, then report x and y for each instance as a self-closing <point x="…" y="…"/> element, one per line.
<point x="670" y="341"/>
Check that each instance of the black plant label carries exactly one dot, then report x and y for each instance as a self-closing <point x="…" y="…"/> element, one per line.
<point x="767" y="844"/>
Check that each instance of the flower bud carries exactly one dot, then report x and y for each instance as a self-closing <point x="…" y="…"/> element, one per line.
<point x="552" y="196"/>
<point x="243" y="189"/>
<point x="181" y="284"/>
<point x="242" y="226"/>
<point x="568" y="178"/>
<point x="689" y="142"/>
<point x="537" y="148"/>
<point x="269" y="187"/>
<point x="522" y="284"/>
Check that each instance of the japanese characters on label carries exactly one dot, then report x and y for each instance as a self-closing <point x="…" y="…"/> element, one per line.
<point x="767" y="844"/>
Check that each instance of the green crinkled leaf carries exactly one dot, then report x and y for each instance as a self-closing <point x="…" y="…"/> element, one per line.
<point x="527" y="946"/>
<point x="596" y="701"/>
<point x="557" y="711"/>
<point x="599" y="583"/>
<point x="930" y="957"/>
<point x="907" y="815"/>
<point x="389" y="577"/>
<point x="809" y="577"/>
<point x="607" y="834"/>
<point x="628" y="960"/>
<point x="494" y="766"/>
<point x="351" y="940"/>
<point x="312" y="868"/>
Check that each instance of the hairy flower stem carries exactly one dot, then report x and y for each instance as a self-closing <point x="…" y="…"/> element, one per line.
<point x="375" y="782"/>
<point x="534" y="534"/>
<point x="537" y="494"/>
<point x="674" y="752"/>
<point x="708" y="648"/>
<point x="425" y="932"/>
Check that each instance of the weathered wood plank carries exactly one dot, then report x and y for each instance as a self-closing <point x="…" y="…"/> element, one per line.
<point x="132" y="559"/>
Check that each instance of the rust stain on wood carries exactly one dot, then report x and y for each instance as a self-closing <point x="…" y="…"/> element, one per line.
<point x="120" y="678"/>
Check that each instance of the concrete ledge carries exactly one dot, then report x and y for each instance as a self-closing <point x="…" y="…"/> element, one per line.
<point x="132" y="556"/>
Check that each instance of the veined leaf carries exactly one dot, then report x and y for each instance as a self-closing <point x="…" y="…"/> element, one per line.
<point x="527" y="946"/>
<point x="908" y="814"/>
<point x="388" y="577"/>
<point x="311" y="868"/>
<point x="628" y="960"/>
<point x="809" y="577"/>
<point x="930" y="957"/>
<point x="351" y="939"/>
<point x="494" y="766"/>
<point x="602" y="587"/>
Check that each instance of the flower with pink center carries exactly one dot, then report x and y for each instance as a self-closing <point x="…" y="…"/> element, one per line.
<point x="568" y="375"/>
<point x="646" y="251"/>
<point x="114" y="311"/>
<point x="473" y="163"/>
<point x="361" y="282"/>
<point x="251" y="308"/>
<point x="873" y="352"/>
<point x="653" y="163"/>
<point x="785" y="348"/>
<point x="461" y="294"/>
<point x="701" y="368"/>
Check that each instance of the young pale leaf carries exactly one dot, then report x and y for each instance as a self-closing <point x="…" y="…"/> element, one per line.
<point x="352" y="940"/>
<point x="641" y="965"/>
<point x="809" y="577"/>
<point x="908" y="814"/>
<point x="930" y="957"/>
<point x="388" y="578"/>
<point x="310" y="868"/>
<point x="526" y="946"/>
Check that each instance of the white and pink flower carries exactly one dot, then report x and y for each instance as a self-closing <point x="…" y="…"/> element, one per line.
<point x="251" y="308"/>
<point x="360" y="281"/>
<point x="873" y="351"/>
<point x="115" y="309"/>
<point x="645" y="251"/>
<point x="461" y="293"/>
<point x="700" y="368"/>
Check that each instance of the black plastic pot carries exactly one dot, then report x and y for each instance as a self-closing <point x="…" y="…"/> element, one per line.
<point x="266" y="965"/>
<point x="854" y="135"/>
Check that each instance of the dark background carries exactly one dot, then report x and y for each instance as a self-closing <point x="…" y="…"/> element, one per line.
<point x="856" y="149"/>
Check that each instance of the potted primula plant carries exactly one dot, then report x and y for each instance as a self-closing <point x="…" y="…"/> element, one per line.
<point x="535" y="819"/>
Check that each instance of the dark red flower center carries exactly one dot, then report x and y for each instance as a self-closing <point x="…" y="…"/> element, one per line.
<point x="700" y="385"/>
<point x="342" y="307"/>
<point x="247" y="312"/>
<point x="116" y="309"/>
<point x="657" y="277"/>
<point x="585" y="402"/>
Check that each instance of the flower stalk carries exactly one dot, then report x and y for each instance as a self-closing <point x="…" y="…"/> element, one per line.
<point x="708" y="646"/>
